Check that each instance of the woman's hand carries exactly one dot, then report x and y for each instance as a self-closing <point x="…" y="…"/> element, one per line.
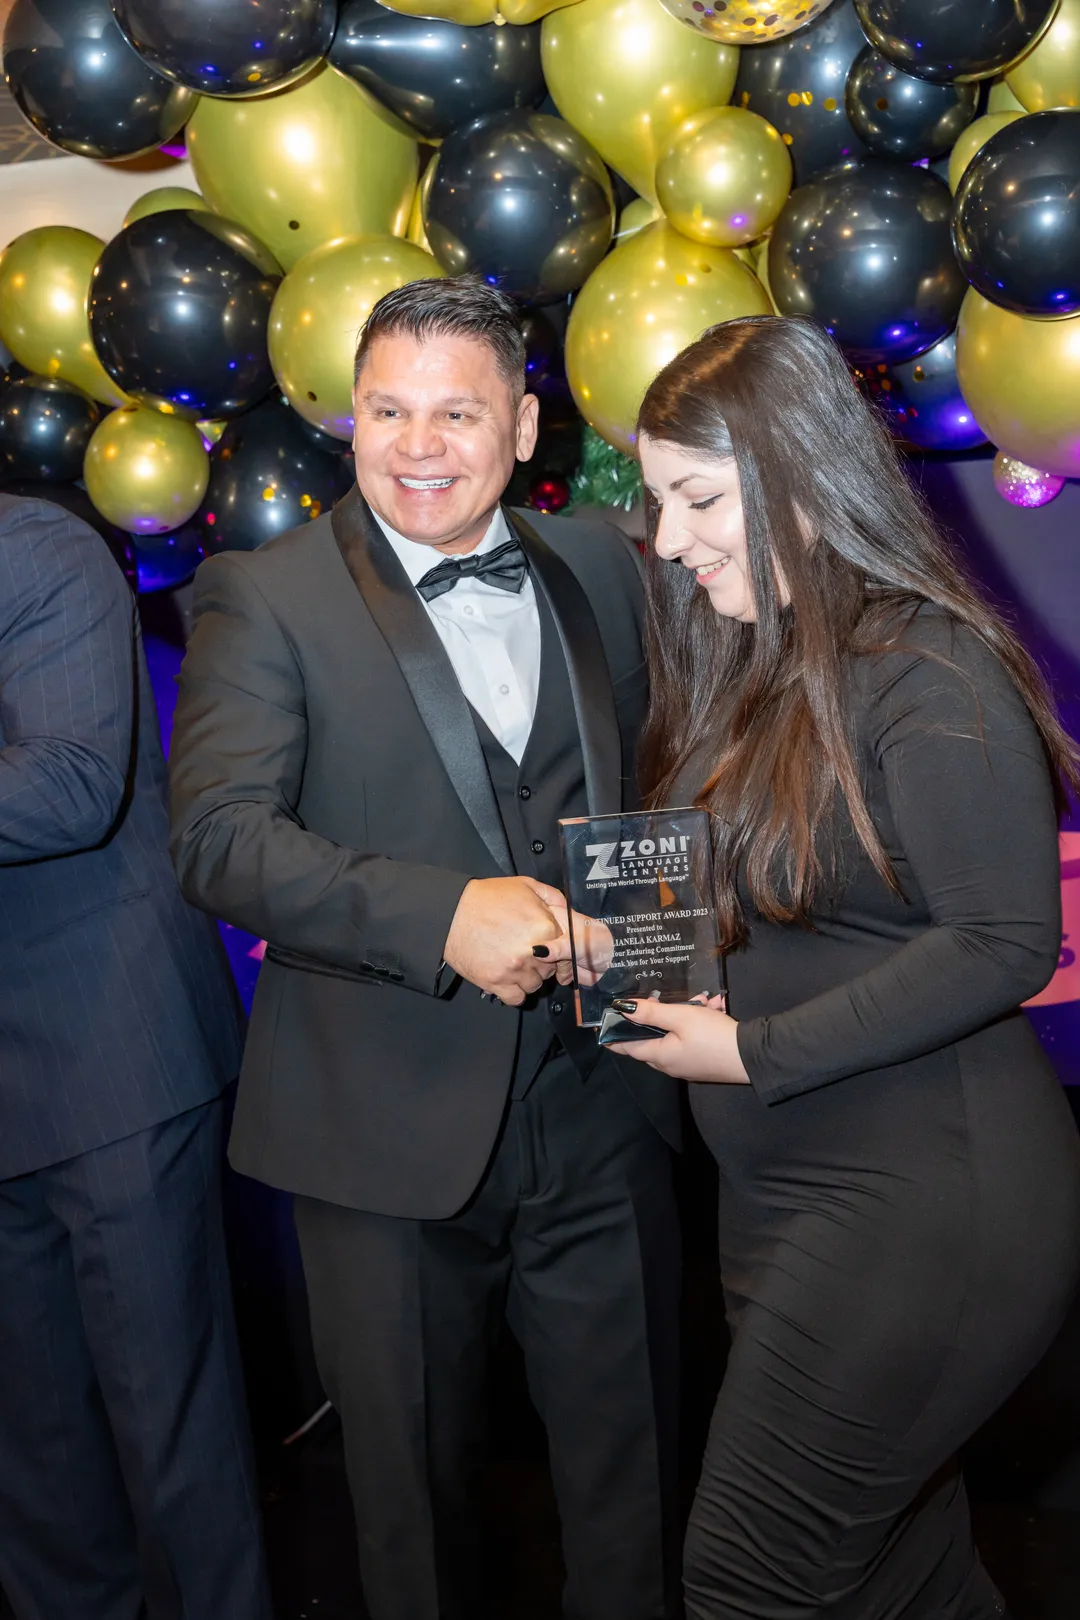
<point x="699" y="1045"/>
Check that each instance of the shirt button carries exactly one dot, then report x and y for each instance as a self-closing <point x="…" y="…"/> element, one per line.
<point x="467" y="609"/>
<point x="537" y="846"/>
<point x="556" y="1008"/>
<point x="505" y="690"/>
<point x="524" y="793"/>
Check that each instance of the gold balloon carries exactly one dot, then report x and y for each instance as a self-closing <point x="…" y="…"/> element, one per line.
<point x="761" y="270"/>
<point x="645" y="302"/>
<point x="724" y="177"/>
<point x="1021" y="380"/>
<point x="527" y="11"/>
<point x="416" y="234"/>
<point x="973" y="138"/>
<point x="469" y="12"/>
<point x="746" y="22"/>
<point x="316" y="318"/>
<point x="1001" y="99"/>
<point x="163" y="198"/>
<point x="626" y="74"/>
<point x="1049" y="75"/>
<point x="304" y="165"/>
<point x="44" y="282"/>
<point x="144" y="471"/>
<point x="638" y="213"/>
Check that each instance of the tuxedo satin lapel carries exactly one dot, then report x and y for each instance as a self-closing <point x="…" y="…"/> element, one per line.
<point x="404" y="625"/>
<point x="590" y="678"/>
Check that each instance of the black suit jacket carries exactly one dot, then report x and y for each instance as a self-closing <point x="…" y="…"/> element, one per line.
<point x="117" y="1009"/>
<point x="330" y="794"/>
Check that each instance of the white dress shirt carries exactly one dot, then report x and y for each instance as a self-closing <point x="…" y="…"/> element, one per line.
<point x="492" y="637"/>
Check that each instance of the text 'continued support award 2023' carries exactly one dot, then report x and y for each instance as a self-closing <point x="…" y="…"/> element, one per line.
<point x="643" y="920"/>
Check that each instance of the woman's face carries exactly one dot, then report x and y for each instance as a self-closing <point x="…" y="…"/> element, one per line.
<point x="701" y="523"/>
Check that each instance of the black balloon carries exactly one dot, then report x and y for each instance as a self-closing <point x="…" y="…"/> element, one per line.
<point x="899" y="116"/>
<point x="266" y="476"/>
<point x="45" y="426"/>
<point x="179" y="304"/>
<point x="866" y="250"/>
<point x="797" y="85"/>
<point x="1017" y="219"/>
<point x="77" y="501"/>
<point x="81" y="85"/>
<point x="921" y="400"/>
<point x="944" y="40"/>
<point x="433" y="74"/>
<point x="523" y="200"/>
<point x="229" y="47"/>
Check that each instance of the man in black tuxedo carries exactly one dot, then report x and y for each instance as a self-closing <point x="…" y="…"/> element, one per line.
<point x="126" y="1487"/>
<point x="382" y="718"/>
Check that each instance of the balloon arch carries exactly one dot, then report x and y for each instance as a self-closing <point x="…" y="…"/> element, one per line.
<point x="906" y="172"/>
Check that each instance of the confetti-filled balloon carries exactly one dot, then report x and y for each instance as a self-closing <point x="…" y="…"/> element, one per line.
<point x="1021" y="378"/>
<point x="44" y="284"/>
<point x="653" y="295"/>
<point x="921" y="400"/>
<point x="1049" y="75"/>
<point x="974" y="137"/>
<point x="900" y="116"/>
<point x="797" y="85"/>
<point x="523" y="200"/>
<point x="45" y="426"/>
<point x="1017" y="221"/>
<point x="1023" y="485"/>
<point x="317" y="315"/>
<point x="626" y="74"/>
<point x="319" y="160"/>
<point x="947" y="40"/>
<point x="724" y="177"/>
<point x="179" y="303"/>
<point x="436" y="75"/>
<point x="229" y="47"/>
<point x="144" y="471"/>
<point x="746" y="22"/>
<point x="266" y="476"/>
<point x="866" y="251"/>
<point x="81" y="85"/>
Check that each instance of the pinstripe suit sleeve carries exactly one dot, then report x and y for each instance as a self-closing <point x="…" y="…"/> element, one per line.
<point x="66" y="684"/>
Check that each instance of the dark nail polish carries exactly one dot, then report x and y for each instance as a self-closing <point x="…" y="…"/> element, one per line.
<point x="541" y="950"/>
<point x="624" y="1006"/>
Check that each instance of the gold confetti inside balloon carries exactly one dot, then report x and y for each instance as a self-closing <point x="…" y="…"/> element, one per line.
<point x="144" y="471"/>
<point x="1024" y="485"/>
<point x="1049" y="75"/>
<point x="316" y="318"/>
<point x="44" y="282"/>
<point x="746" y="22"/>
<point x="626" y="75"/>
<point x="1021" y="380"/>
<point x="163" y="198"/>
<point x="724" y="177"/>
<point x="654" y="294"/>
<point x="972" y="139"/>
<point x="306" y="164"/>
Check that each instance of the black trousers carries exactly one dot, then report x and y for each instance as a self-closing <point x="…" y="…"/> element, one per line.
<point x="573" y="1231"/>
<point x="126" y="1487"/>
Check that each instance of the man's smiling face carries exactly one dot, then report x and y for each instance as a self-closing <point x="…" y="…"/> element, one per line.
<point x="438" y="429"/>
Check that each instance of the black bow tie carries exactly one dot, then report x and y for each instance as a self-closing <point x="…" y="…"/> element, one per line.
<point x="505" y="568"/>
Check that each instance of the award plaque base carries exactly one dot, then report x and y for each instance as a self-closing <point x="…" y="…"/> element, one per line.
<point x="643" y="919"/>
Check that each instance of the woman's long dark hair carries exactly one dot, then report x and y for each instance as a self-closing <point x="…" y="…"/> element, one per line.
<point x="765" y="706"/>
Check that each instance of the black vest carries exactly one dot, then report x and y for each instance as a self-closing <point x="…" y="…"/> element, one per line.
<point x="548" y="785"/>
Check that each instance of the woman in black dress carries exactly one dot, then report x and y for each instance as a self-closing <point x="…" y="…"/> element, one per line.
<point x="899" y="1173"/>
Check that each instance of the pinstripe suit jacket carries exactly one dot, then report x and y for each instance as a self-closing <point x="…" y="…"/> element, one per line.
<point x="117" y="1010"/>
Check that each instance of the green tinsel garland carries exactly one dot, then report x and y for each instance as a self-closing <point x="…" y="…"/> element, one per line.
<point x="606" y="477"/>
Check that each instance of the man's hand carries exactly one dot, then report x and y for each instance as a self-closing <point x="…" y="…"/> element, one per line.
<point x="496" y="925"/>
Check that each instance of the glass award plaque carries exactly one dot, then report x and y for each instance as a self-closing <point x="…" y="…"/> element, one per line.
<point x="643" y="921"/>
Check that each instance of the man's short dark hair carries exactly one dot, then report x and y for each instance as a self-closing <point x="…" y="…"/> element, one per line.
<point x="459" y="306"/>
